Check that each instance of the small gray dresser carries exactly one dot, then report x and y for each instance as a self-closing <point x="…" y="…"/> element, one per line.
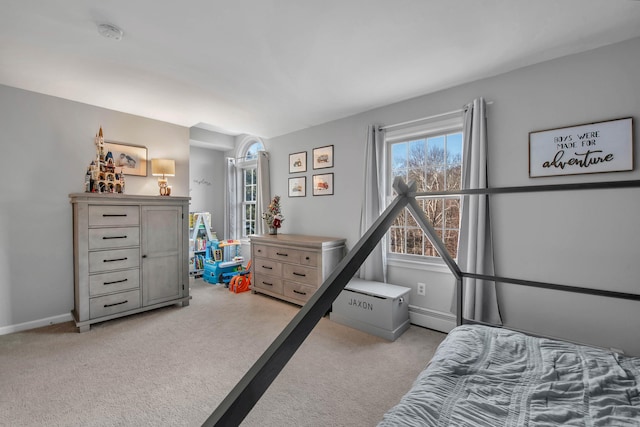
<point x="291" y="266"/>
<point x="130" y="255"/>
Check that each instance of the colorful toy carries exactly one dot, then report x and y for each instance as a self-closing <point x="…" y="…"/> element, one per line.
<point x="242" y="281"/>
<point x="219" y="268"/>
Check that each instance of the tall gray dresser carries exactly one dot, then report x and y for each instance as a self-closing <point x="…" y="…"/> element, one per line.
<point x="291" y="266"/>
<point x="130" y="255"/>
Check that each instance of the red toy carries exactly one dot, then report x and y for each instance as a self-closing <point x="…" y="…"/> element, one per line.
<point x="241" y="282"/>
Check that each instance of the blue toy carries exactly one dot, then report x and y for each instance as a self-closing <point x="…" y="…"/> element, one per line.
<point x="219" y="268"/>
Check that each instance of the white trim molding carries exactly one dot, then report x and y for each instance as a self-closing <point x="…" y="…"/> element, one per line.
<point x="437" y="265"/>
<point x="61" y="318"/>
<point x="244" y="144"/>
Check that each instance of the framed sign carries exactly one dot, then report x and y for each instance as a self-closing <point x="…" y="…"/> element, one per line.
<point x="298" y="186"/>
<point x="589" y="148"/>
<point x="298" y="162"/>
<point x="131" y="158"/>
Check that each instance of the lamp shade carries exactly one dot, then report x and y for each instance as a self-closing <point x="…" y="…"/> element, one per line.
<point x="163" y="167"/>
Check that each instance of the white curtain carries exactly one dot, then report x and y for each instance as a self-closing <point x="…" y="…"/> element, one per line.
<point x="230" y="200"/>
<point x="263" y="198"/>
<point x="475" y="249"/>
<point x="375" y="267"/>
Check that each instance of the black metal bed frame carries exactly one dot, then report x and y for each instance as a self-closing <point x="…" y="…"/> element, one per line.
<point x="242" y="398"/>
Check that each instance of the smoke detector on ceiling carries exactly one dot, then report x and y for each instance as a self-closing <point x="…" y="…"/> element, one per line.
<point x="109" y="31"/>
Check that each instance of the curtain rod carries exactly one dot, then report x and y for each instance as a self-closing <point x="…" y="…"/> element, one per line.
<point x="240" y="159"/>
<point x="435" y="116"/>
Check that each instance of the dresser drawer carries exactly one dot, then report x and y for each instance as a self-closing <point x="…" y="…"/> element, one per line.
<point x="310" y="259"/>
<point x="106" y="283"/>
<point x="298" y="291"/>
<point x="116" y="259"/>
<point x="301" y="274"/>
<point x="103" y="238"/>
<point x="269" y="283"/>
<point x="284" y="254"/>
<point x="114" y="303"/>
<point x="105" y="216"/>
<point x="259" y="251"/>
<point x="267" y="266"/>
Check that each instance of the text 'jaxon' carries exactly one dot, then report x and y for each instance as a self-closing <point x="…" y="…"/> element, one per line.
<point x="361" y="304"/>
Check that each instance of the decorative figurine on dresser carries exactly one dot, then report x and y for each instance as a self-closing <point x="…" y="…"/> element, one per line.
<point x="292" y="267"/>
<point x="101" y="176"/>
<point x="129" y="252"/>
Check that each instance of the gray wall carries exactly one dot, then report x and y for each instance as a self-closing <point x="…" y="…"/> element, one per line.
<point x="206" y="185"/>
<point x="583" y="238"/>
<point x="47" y="144"/>
<point x="587" y="238"/>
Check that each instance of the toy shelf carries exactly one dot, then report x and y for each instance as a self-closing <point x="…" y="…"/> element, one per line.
<point x="199" y="234"/>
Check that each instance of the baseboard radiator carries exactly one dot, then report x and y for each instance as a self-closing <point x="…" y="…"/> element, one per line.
<point x="432" y="319"/>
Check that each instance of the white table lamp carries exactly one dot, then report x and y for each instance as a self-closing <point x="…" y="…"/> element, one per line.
<point x="163" y="168"/>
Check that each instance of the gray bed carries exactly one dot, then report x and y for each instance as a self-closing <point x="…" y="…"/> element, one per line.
<point x="484" y="376"/>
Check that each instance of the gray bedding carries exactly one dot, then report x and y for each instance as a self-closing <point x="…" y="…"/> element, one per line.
<point x="482" y="376"/>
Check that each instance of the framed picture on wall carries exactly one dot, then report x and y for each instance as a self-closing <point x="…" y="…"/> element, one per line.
<point x="298" y="186"/>
<point x="131" y="158"/>
<point x="323" y="184"/>
<point x="589" y="148"/>
<point x="298" y="162"/>
<point x="323" y="157"/>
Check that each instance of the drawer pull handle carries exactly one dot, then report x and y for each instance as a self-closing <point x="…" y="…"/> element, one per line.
<point x="117" y="259"/>
<point x="267" y="267"/>
<point x="298" y="292"/>
<point x="267" y="283"/>
<point x="116" y="303"/>
<point x="299" y="274"/>
<point x="307" y="258"/>
<point x="113" y="237"/>
<point x="106" y="215"/>
<point x="278" y="253"/>
<point x="115" y="281"/>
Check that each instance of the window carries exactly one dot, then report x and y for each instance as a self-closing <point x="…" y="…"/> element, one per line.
<point x="252" y="151"/>
<point x="250" y="187"/>
<point x="248" y="163"/>
<point x="432" y="157"/>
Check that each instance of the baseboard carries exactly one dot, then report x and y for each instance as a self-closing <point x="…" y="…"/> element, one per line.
<point x="432" y="319"/>
<point x="35" y="324"/>
<point x="420" y="316"/>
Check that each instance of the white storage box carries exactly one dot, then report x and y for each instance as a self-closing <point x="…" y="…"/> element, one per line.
<point x="377" y="308"/>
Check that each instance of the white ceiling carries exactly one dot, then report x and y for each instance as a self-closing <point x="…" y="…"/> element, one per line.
<point x="270" y="67"/>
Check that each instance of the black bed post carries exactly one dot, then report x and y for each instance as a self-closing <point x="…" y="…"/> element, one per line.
<point x="459" y="299"/>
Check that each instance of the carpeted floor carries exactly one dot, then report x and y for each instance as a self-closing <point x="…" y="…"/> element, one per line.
<point x="172" y="366"/>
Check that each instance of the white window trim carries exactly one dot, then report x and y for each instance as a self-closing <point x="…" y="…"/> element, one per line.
<point x="426" y="129"/>
<point x="241" y="152"/>
<point x="417" y="262"/>
<point x="242" y="204"/>
<point x="435" y="127"/>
